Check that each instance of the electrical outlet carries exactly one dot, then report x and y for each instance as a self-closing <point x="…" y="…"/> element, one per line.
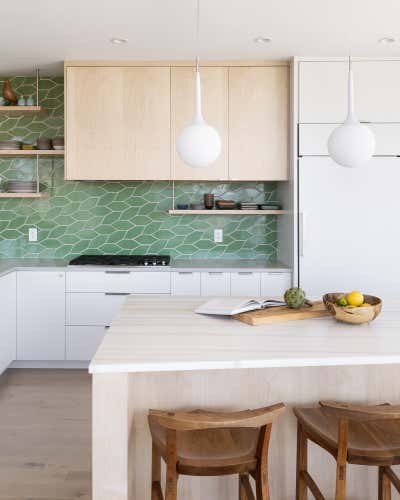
<point x="218" y="235"/>
<point x="32" y="234"/>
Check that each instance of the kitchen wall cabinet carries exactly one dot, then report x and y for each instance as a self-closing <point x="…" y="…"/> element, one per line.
<point x="245" y="283"/>
<point x="323" y="91"/>
<point x="258" y="123"/>
<point x="40" y="315"/>
<point x="275" y="284"/>
<point x="8" y="320"/>
<point x="215" y="283"/>
<point x="185" y="283"/>
<point x="214" y="84"/>
<point x="117" y="123"/>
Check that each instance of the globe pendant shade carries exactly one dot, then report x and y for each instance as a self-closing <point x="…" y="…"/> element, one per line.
<point x="351" y="144"/>
<point x="199" y="144"/>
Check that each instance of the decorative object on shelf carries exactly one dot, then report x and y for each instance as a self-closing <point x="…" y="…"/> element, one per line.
<point x="30" y="101"/>
<point x="182" y="206"/>
<point x="28" y="147"/>
<point x="226" y="204"/>
<point x="197" y="206"/>
<point x="22" y="186"/>
<point x="22" y="101"/>
<point x="365" y="313"/>
<point x="351" y="144"/>
<point x="9" y="94"/>
<point x="199" y="144"/>
<point x="271" y="205"/>
<point x="58" y="143"/>
<point x="10" y="145"/>
<point x="2" y="101"/>
<point x="248" y="206"/>
<point x="43" y="143"/>
<point x="209" y="201"/>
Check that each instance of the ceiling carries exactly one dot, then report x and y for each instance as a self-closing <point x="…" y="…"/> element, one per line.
<point x="44" y="33"/>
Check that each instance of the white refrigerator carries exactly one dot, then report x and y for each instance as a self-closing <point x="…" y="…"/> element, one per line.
<point x="349" y="227"/>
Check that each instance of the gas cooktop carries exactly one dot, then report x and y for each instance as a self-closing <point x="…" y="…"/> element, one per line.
<point x="121" y="260"/>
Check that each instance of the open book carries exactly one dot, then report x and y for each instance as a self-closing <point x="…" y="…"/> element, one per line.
<point x="229" y="306"/>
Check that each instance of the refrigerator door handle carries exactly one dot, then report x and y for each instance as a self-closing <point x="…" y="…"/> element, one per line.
<point x="301" y="233"/>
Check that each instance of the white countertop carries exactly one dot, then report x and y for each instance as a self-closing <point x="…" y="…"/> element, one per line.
<point x="9" y="265"/>
<point x="162" y="333"/>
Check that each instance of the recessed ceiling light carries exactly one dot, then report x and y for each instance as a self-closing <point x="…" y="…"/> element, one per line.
<point x="262" y="39"/>
<point x="386" y="40"/>
<point x="118" y="41"/>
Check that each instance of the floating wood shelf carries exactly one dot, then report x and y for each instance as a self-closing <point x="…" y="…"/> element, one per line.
<point x="21" y="110"/>
<point x="24" y="195"/>
<point x="31" y="152"/>
<point x="226" y="212"/>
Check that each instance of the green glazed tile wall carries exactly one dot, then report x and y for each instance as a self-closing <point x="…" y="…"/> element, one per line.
<point x="115" y="217"/>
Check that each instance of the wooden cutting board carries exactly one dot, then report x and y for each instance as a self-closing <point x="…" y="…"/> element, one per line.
<point x="282" y="313"/>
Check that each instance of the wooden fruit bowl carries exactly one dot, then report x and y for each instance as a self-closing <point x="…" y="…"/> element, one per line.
<point x="353" y="315"/>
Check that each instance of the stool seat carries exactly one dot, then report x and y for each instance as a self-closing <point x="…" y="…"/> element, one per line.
<point x="211" y="451"/>
<point x="371" y="442"/>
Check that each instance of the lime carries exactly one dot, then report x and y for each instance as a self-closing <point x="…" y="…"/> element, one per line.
<point x="341" y="302"/>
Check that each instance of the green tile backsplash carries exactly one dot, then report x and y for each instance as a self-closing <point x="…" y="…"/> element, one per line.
<point x="116" y="217"/>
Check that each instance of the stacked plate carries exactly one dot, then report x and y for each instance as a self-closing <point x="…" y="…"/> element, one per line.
<point x="248" y="205"/>
<point x="10" y="145"/>
<point x="22" y="186"/>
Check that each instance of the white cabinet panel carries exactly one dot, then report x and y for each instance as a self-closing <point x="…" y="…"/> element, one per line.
<point x="151" y="282"/>
<point x="185" y="283"/>
<point x="93" y="308"/>
<point x="275" y="284"/>
<point x="8" y="298"/>
<point x="215" y="283"/>
<point x="99" y="281"/>
<point x="245" y="283"/>
<point x="323" y="91"/>
<point x="40" y="315"/>
<point x="82" y="342"/>
<point x="313" y="138"/>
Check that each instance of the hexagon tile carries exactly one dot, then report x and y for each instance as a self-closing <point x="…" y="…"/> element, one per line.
<point x="116" y="217"/>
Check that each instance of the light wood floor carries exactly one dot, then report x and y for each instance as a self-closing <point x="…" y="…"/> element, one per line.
<point x="45" y="435"/>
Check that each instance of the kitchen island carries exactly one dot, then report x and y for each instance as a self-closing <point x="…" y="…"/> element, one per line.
<point x="160" y="354"/>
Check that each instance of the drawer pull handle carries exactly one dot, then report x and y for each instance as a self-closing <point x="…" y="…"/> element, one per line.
<point x="215" y="273"/>
<point x="245" y="273"/>
<point x="117" y="293"/>
<point x="185" y="272"/>
<point x="117" y="272"/>
<point x="107" y="327"/>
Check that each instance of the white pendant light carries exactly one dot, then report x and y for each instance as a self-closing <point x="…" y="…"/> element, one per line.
<point x="199" y="144"/>
<point x="351" y="144"/>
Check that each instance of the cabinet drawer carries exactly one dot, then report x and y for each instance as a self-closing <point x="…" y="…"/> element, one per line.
<point x="91" y="309"/>
<point x="82" y="342"/>
<point x="245" y="283"/>
<point x="151" y="282"/>
<point x="215" y="284"/>
<point x="99" y="281"/>
<point x="185" y="283"/>
<point x="275" y="284"/>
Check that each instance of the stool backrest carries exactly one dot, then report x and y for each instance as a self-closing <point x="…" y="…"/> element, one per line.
<point x="362" y="413"/>
<point x="197" y="420"/>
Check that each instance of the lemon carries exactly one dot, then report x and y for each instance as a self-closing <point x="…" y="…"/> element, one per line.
<point x="365" y="305"/>
<point x="355" y="299"/>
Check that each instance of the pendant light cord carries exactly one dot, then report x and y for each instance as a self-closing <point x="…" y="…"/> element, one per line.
<point x="197" y="34"/>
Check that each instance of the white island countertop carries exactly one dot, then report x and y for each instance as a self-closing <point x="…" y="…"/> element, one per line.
<point x="162" y="333"/>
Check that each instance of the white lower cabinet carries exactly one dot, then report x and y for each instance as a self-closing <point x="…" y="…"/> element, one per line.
<point x="275" y="284"/>
<point x="151" y="282"/>
<point x="82" y="341"/>
<point x="8" y="320"/>
<point x="245" y="283"/>
<point x="40" y="315"/>
<point x="215" y="283"/>
<point x="185" y="283"/>
<point x="93" y="309"/>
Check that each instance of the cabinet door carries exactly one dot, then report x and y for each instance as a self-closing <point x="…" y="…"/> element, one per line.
<point x="117" y="123"/>
<point x="7" y="320"/>
<point x="258" y="123"/>
<point x="245" y="283"/>
<point x="93" y="309"/>
<point x="214" y="82"/>
<point x="215" y="283"/>
<point x="151" y="282"/>
<point x="275" y="284"/>
<point x="82" y="342"/>
<point x="40" y="315"/>
<point x="185" y="283"/>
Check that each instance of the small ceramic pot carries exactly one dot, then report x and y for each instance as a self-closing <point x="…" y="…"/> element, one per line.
<point x="209" y="201"/>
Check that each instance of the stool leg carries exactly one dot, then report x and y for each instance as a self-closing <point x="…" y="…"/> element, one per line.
<point x="262" y="488"/>
<point x="341" y="461"/>
<point x="301" y="487"/>
<point x="155" y="473"/>
<point x="245" y="491"/>
<point x="171" y="490"/>
<point x="385" y="487"/>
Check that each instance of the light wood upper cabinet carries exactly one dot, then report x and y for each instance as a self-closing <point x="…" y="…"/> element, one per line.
<point x="258" y="123"/>
<point x="117" y="123"/>
<point x="214" y="83"/>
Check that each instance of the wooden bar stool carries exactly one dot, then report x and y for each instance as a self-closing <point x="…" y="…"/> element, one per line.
<point x="354" y="434"/>
<point x="201" y="443"/>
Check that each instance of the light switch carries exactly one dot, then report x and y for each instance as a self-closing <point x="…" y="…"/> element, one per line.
<point x="218" y="235"/>
<point x="32" y="234"/>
